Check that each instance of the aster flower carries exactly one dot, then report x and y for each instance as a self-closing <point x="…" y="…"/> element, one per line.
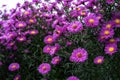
<point x="101" y="38"/>
<point x="72" y="78"/>
<point x="54" y="49"/>
<point x="108" y="25"/>
<point x="56" y="60"/>
<point x="83" y="13"/>
<point x="14" y="67"/>
<point x="33" y="32"/>
<point x="79" y="55"/>
<point x="58" y="31"/>
<point x="31" y="21"/>
<point x="107" y="33"/>
<point x="110" y="49"/>
<point x="47" y="49"/>
<point x="112" y="40"/>
<point x="20" y="24"/>
<point x="75" y="27"/>
<point x="99" y="60"/>
<point x="21" y="38"/>
<point x="44" y="68"/>
<point x="91" y="20"/>
<point x="17" y="77"/>
<point x="77" y="11"/>
<point x="117" y="22"/>
<point x="49" y="39"/>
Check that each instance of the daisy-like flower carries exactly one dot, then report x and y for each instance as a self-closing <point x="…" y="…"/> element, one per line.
<point x="44" y="68"/>
<point x="83" y="13"/>
<point x="108" y="25"/>
<point x="21" y="38"/>
<point x="99" y="60"/>
<point x="107" y="33"/>
<point x="49" y="39"/>
<point x="110" y="49"/>
<point x="112" y="40"/>
<point x="26" y="13"/>
<point x="76" y="12"/>
<point x="31" y="21"/>
<point x="13" y="67"/>
<point x="91" y="20"/>
<point x="17" y="77"/>
<point x="47" y="49"/>
<point x="101" y="38"/>
<point x="117" y="22"/>
<point x="75" y="27"/>
<point x="79" y="55"/>
<point x="33" y="32"/>
<point x="20" y="24"/>
<point x="72" y="78"/>
<point x="58" y="31"/>
<point x="54" y="49"/>
<point x="56" y="60"/>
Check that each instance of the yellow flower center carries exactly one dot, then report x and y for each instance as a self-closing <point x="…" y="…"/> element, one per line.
<point x="111" y="49"/>
<point x="99" y="60"/>
<point x="57" y="31"/>
<point x="13" y="66"/>
<point x="44" y="68"/>
<point x="102" y="37"/>
<point x="21" y="39"/>
<point x="17" y="78"/>
<point x="31" y="21"/>
<point x="26" y="12"/>
<point x="33" y="32"/>
<point x="48" y="49"/>
<point x="78" y="9"/>
<point x="56" y="60"/>
<point x="49" y="39"/>
<point x="107" y="32"/>
<point x="20" y="25"/>
<point x="91" y="21"/>
<point x="108" y="26"/>
<point x="74" y="26"/>
<point x="83" y="13"/>
<point x="79" y="55"/>
<point x="117" y="21"/>
<point x="112" y="40"/>
<point x="99" y="17"/>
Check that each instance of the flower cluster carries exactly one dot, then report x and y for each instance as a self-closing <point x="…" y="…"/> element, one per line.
<point x="64" y="37"/>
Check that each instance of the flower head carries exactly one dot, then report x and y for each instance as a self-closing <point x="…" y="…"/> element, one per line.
<point x="91" y="20"/>
<point x="21" y="38"/>
<point x="107" y="33"/>
<point x="73" y="78"/>
<point x="17" y="77"/>
<point x="20" y="24"/>
<point x="56" y="60"/>
<point x="44" y="68"/>
<point x="33" y="32"/>
<point x="14" y="66"/>
<point x="47" y="49"/>
<point x="79" y="55"/>
<point x="49" y="39"/>
<point x="99" y="60"/>
<point x="75" y="27"/>
<point x="117" y="22"/>
<point x="111" y="49"/>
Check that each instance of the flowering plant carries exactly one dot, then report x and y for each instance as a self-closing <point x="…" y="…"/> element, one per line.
<point x="61" y="40"/>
